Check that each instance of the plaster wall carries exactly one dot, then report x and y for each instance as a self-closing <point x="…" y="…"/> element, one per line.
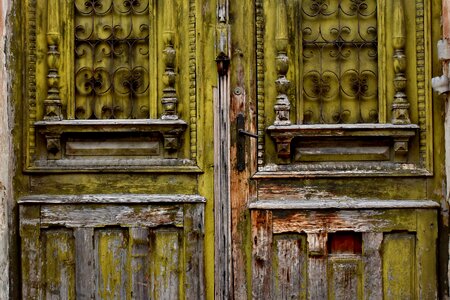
<point x="5" y="156"/>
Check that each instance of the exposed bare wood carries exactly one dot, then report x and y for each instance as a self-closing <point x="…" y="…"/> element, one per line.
<point x="106" y="215"/>
<point x="343" y="203"/>
<point x="373" y="280"/>
<point x="262" y="254"/>
<point x="291" y="276"/>
<point x="139" y="269"/>
<point x="317" y="266"/>
<point x="194" y="260"/>
<point x="345" y="280"/>
<point x="343" y="220"/>
<point x="165" y="264"/>
<point x="223" y="279"/>
<point x="84" y="261"/>
<point x="112" y="198"/>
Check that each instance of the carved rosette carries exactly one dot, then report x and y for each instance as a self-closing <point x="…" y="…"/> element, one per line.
<point x="52" y="104"/>
<point x="169" y="99"/>
<point x="400" y="106"/>
<point x="282" y="105"/>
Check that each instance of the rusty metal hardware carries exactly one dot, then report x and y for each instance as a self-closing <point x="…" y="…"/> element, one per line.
<point x="240" y="136"/>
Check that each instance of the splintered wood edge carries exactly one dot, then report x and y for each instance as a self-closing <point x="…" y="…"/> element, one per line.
<point x="111" y="199"/>
<point x="342" y="204"/>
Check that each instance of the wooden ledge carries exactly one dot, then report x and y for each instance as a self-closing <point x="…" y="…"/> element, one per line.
<point x="111" y="199"/>
<point x="81" y="137"/>
<point x="386" y="142"/>
<point x="141" y="125"/>
<point x="318" y="204"/>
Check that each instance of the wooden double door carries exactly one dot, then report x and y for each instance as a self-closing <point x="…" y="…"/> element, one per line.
<point x="229" y="150"/>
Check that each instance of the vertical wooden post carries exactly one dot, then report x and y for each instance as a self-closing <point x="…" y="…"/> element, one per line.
<point x="282" y="106"/>
<point x="400" y="106"/>
<point x="223" y="274"/>
<point x="169" y="99"/>
<point x="52" y="104"/>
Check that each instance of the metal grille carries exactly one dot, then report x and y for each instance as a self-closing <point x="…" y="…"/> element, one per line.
<point x="339" y="41"/>
<point x="111" y="59"/>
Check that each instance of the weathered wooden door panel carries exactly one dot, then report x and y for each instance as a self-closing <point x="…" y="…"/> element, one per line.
<point x="98" y="251"/>
<point x="296" y="255"/>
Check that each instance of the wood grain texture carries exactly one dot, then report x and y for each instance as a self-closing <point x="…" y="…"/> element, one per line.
<point x="139" y="263"/>
<point x="111" y="199"/>
<point x="165" y="264"/>
<point x="110" y="261"/>
<point x="342" y="220"/>
<point x="290" y="274"/>
<point x="84" y="261"/>
<point x="59" y="266"/>
<point x="262" y="254"/>
<point x="31" y="254"/>
<point x="109" y="215"/>
<point x="317" y="266"/>
<point x="345" y="278"/>
<point x="373" y="279"/>
<point x="194" y="286"/>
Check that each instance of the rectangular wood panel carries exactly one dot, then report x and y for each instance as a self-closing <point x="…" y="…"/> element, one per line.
<point x="59" y="267"/>
<point x="399" y="266"/>
<point x="109" y="215"/>
<point x="140" y="253"/>
<point x="345" y="280"/>
<point x="84" y="260"/>
<point x="111" y="263"/>
<point x="165" y="264"/>
<point x="290" y="276"/>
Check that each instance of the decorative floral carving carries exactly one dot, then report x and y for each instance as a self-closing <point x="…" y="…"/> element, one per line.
<point x="111" y="58"/>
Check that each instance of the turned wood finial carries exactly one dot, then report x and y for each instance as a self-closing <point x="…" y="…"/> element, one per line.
<point x="169" y="99"/>
<point x="282" y="106"/>
<point x="400" y="106"/>
<point x="52" y="103"/>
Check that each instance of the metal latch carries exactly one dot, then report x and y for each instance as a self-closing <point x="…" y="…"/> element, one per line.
<point x="241" y="134"/>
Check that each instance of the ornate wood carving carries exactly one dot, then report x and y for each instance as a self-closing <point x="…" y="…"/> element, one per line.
<point x="399" y="135"/>
<point x="400" y="106"/>
<point x="169" y="99"/>
<point x="53" y="102"/>
<point x="380" y="29"/>
<point x="282" y="106"/>
<point x="46" y="150"/>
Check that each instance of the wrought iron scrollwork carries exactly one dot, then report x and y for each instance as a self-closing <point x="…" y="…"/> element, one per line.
<point x="111" y="59"/>
<point x="339" y="40"/>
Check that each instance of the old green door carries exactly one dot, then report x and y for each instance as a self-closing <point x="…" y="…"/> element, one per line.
<point x="337" y="196"/>
<point x="115" y="176"/>
<point x="265" y="149"/>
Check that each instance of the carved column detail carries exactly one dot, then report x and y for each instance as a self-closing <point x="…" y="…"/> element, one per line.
<point x="169" y="99"/>
<point x="52" y="104"/>
<point x="282" y="106"/>
<point x="400" y="106"/>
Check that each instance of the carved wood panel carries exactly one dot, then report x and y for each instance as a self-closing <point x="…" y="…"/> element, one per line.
<point x="95" y="248"/>
<point x="343" y="254"/>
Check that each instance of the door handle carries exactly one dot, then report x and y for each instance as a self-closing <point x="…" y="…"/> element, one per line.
<point x="240" y="135"/>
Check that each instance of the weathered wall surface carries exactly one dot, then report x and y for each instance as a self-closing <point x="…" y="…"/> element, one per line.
<point x="5" y="156"/>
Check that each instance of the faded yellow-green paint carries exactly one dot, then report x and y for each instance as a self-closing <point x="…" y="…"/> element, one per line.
<point x="398" y="257"/>
<point x="112" y="263"/>
<point x="174" y="182"/>
<point x="59" y="266"/>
